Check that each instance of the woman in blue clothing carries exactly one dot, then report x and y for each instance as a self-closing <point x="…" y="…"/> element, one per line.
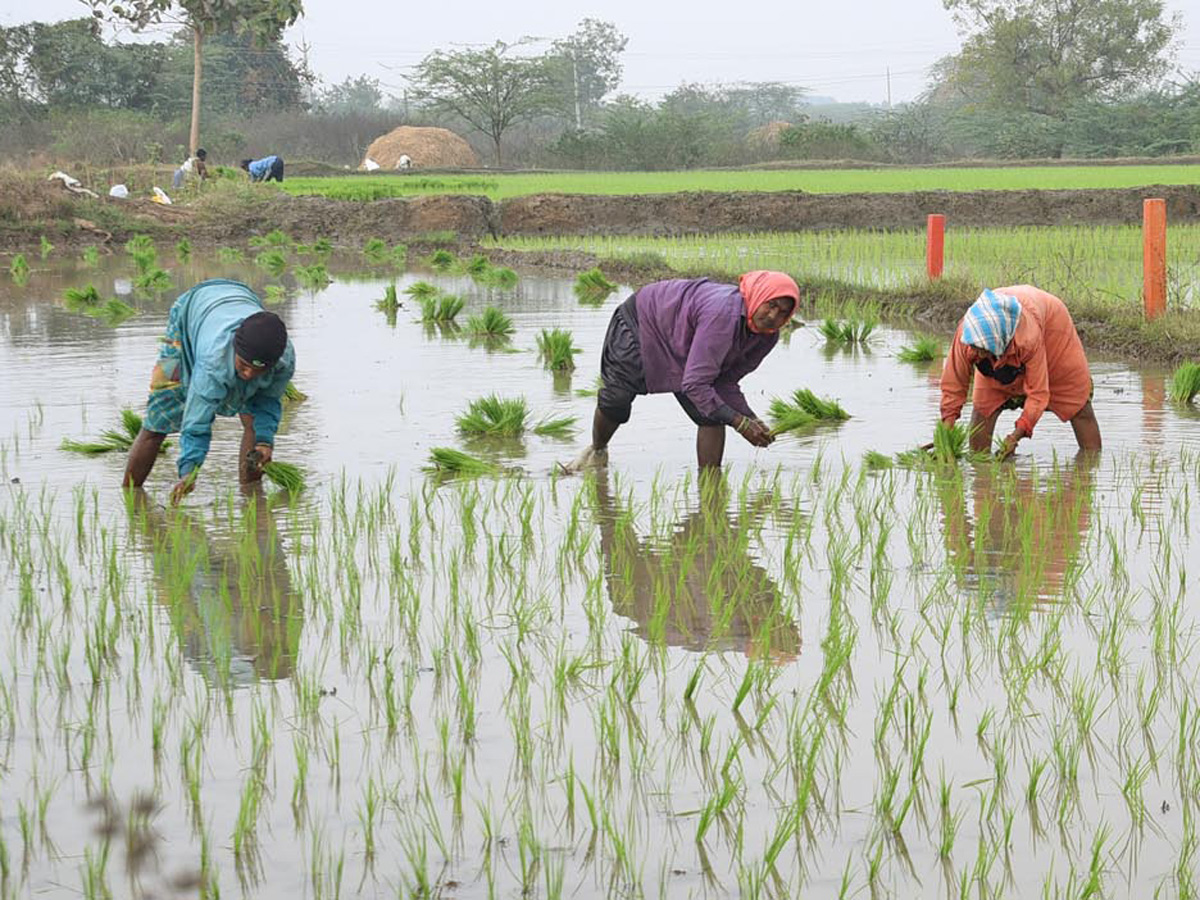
<point x="222" y="355"/>
<point x="269" y="168"/>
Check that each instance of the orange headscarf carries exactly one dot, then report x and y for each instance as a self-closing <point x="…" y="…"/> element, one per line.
<point x="760" y="286"/>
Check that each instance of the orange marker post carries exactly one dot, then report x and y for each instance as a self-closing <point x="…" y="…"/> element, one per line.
<point x="935" y="244"/>
<point x="1154" y="257"/>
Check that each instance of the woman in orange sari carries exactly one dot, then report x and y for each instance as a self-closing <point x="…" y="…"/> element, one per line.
<point x="1022" y="346"/>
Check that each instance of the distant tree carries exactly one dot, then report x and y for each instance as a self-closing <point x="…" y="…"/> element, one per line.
<point x="587" y="66"/>
<point x="354" y="95"/>
<point x="262" y="20"/>
<point x="489" y="89"/>
<point x="762" y="102"/>
<point x="1042" y="56"/>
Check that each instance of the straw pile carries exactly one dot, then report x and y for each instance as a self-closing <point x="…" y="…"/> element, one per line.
<point x="428" y="148"/>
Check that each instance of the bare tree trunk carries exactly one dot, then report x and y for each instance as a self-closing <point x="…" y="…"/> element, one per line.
<point x="197" y="71"/>
<point x="496" y="141"/>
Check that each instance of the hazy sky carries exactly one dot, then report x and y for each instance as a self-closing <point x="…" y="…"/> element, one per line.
<point x="839" y="48"/>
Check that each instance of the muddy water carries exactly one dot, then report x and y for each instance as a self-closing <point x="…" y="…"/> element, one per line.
<point x="540" y="685"/>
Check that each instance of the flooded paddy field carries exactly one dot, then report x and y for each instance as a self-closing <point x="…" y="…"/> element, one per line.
<point x="804" y="679"/>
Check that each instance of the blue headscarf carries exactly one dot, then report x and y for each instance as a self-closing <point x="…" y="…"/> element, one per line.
<point x="991" y="322"/>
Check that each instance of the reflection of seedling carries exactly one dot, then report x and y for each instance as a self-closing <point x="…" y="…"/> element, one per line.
<point x="803" y="409"/>
<point x="440" y="307"/>
<point x="923" y="349"/>
<point x="1185" y="383"/>
<point x="441" y="260"/>
<point x="557" y="349"/>
<point x="449" y="461"/>
<point x="491" y="323"/>
<point x="592" y="288"/>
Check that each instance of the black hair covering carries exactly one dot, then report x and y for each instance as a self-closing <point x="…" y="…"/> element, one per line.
<point x="261" y="337"/>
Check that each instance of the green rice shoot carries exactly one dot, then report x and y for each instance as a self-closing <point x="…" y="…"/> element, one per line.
<point x="560" y="427"/>
<point x="802" y="410"/>
<point x="419" y="289"/>
<point x="293" y="394"/>
<point x="284" y="475"/>
<point x="442" y="261"/>
<point x="557" y="349"/>
<point x="274" y="261"/>
<point x="494" y="416"/>
<point x="491" y="323"/>
<point x="448" y="461"/>
<point x="924" y="349"/>
<point x="440" y="307"/>
<point x="592" y="288"/>
<point x="1185" y="383"/>
<point x="18" y="269"/>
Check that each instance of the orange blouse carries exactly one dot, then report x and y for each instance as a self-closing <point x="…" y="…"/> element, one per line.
<point x="1056" y="375"/>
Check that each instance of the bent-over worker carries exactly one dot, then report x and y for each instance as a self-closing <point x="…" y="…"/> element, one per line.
<point x="223" y="354"/>
<point x="1026" y="354"/>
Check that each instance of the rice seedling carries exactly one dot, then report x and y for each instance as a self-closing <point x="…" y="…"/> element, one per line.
<point x="90" y="255"/>
<point x="440" y="307"/>
<point x="560" y="427"/>
<point x="557" y="349"/>
<point x="853" y="331"/>
<point x="313" y="276"/>
<point x="285" y="475"/>
<point x="448" y="461"/>
<point x="491" y="323"/>
<point x="274" y="294"/>
<point x="153" y="281"/>
<point x="500" y="277"/>
<point x="875" y="461"/>
<point x="803" y="409"/>
<point x="46" y="246"/>
<point x="322" y="246"/>
<point x="293" y="394"/>
<point x="82" y="300"/>
<point x="375" y="250"/>
<point x="113" y="312"/>
<point x="275" y="238"/>
<point x="183" y="249"/>
<point x="923" y="349"/>
<point x="592" y="288"/>
<point x="1185" y="383"/>
<point x="494" y="416"/>
<point x="389" y="305"/>
<point x="274" y="261"/>
<point x="477" y="265"/>
<point x="419" y="290"/>
<point x="231" y="255"/>
<point x="442" y="261"/>
<point x="119" y="439"/>
<point x="18" y="269"/>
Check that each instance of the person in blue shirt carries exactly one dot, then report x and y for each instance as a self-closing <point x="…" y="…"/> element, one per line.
<point x="269" y="168"/>
<point x="223" y="354"/>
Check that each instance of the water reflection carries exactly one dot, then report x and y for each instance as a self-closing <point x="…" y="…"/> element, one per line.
<point x="1020" y="539"/>
<point x="227" y="590"/>
<point x="700" y="588"/>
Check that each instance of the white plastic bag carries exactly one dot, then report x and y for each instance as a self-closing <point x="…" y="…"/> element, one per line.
<point x="119" y="191"/>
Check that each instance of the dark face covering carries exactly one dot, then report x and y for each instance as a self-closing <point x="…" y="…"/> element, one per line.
<point x="1004" y="374"/>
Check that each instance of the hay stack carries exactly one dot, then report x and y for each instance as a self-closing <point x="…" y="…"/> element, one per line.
<point x="428" y="148"/>
<point x="767" y="136"/>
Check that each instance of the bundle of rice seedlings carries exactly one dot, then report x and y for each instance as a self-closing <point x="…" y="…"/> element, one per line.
<point x="153" y="281"/>
<point x="274" y="294"/>
<point x="491" y="323"/>
<point x="90" y="255"/>
<point x="113" y="312"/>
<point x="313" y="276"/>
<point x="46" y="246"/>
<point x="557" y="349"/>
<point x="876" y="461"/>
<point x="419" y="289"/>
<point x="923" y="349"/>
<point x="848" y="331"/>
<point x="494" y="416"/>
<point x="448" y="461"/>
<point x="950" y="444"/>
<point x="441" y="307"/>
<point x="500" y="277"/>
<point x="561" y="427"/>
<point x="139" y="244"/>
<point x="441" y="260"/>
<point x="400" y="256"/>
<point x="293" y="394"/>
<point x="322" y="246"/>
<point x="303" y="249"/>
<point x="284" y="475"/>
<point x="389" y="304"/>
<point x="478" y="265"/>
<point x="230" y="255"/>
<point x="82" y="300"/>
<point x="376" y="250"/>
<point x="120" y="438"/>
<point x="592" y="288"/>
<point x="1185" y="383"/>
<point x="274" y="261"/>
<point x="183" y="249"/>
<point x="803" y="409"/>
<point x="274" y="238"/>
<point x="19" y="269"/>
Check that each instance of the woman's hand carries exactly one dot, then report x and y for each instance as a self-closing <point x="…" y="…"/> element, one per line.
<point x="754" y="431"/>
<point x="183" y="487"/>
<point x="1009" y="445"/>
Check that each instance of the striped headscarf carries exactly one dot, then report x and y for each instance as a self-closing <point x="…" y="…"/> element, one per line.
<point x="991" y="322"/>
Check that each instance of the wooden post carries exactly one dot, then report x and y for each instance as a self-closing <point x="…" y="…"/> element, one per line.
<point x="935" y="242"/>
<point x="1154" y="257"/>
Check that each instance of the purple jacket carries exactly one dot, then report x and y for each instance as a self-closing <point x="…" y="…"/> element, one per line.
<point x="695" y="340"/>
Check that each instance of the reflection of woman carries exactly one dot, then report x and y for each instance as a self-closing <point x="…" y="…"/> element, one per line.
<point x="229" y="597"/>
<point x="1024" y="537"/>
<point x="700" y="589"/>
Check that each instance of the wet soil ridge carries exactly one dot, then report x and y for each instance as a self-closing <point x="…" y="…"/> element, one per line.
<point x="709" y="213"/>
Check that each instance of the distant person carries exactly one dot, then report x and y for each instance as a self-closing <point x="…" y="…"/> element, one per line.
<point x="223" y="354"/>
<point x="404" y="162"/>
<point x="269" y="168"/>
<point x="697" y="339"/>
<point x="193" y="166"/>
<point x="1022" y="347"/>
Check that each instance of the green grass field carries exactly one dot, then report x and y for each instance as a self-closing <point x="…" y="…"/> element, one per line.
<point x="821" y="181"/>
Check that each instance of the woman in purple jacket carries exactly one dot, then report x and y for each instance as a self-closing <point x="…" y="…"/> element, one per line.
<point x="697" y="339"/>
